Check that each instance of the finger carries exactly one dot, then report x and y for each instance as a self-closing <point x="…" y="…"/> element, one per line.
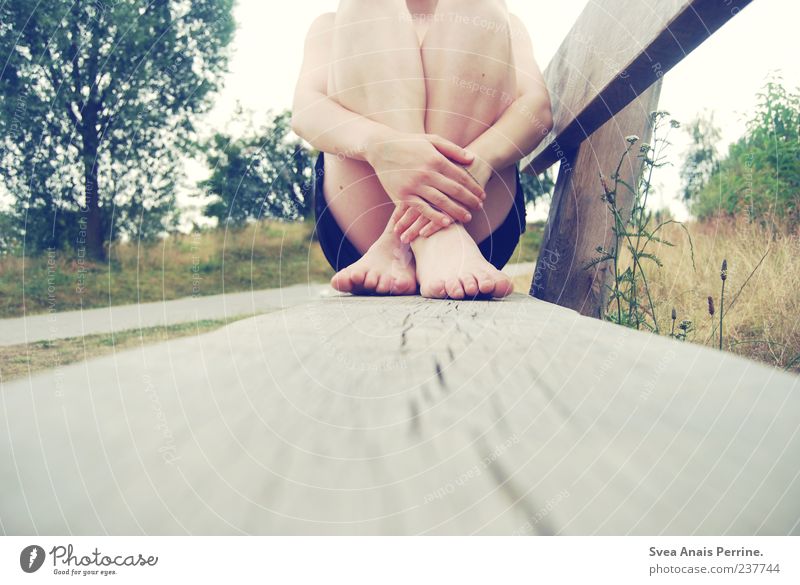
<point x="451" y="150"/>
<point x="457" y="191"/>
<point x="445" y="204"/>
<point x="409" y="217"/>
<point x="430" y="229"/>
<point x="428" y="211"/>
<point x="463" y="178"/>
<point x="410" y="234"/>
<point x="399" y="211"/>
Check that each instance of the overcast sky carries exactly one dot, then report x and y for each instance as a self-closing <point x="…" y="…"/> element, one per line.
<point x="722" y="75"/>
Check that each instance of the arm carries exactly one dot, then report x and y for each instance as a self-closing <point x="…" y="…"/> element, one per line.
<point x="326" y="125"/>
<point x="520" y="128"/>
<point x="526" y="121"/>
<point x="405" y="164"/>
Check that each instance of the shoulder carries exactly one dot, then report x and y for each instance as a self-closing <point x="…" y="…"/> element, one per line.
<point x="519" y="32"/>
<point x="322" y="24"/>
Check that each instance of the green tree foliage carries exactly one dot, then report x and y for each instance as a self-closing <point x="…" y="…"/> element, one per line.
<point x="265" y="173"/>
<point x="702" y="157"/>
<point x="98" y="102"/>
<point x="760" y="175"/>
<point x="536" y="186"/>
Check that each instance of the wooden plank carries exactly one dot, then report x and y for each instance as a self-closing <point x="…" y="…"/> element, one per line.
<point x="405" y="416"/>
<point x="579" y="219"/>
<point x="615" y="50"/>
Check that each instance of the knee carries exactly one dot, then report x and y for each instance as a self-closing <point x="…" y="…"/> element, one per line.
<point x="484" y="19"/>
<point x="362" y="8"/>
<point x="488" y="9"/>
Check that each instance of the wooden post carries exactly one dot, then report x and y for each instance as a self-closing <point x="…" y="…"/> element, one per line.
<point x="579" y="219"/>
<point x="604" y="81"/>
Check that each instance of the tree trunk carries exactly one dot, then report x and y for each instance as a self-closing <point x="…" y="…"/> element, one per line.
<point x="90" y="220"/>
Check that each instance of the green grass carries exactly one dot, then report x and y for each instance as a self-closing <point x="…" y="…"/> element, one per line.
<point x="264" y="255"/>
<point x="268" y="254"/>
<point x="529" y="244"/>
<point x="17" y="361"/>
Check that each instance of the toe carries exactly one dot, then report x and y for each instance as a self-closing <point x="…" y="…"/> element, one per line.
<point x="371" y="280"/>
<point x="470" y="285"/>
<point x="384" y="284"/>
<point x="402" y="286"/>
<point x="433" y="290"/>
<point x="454" y="289"/>
<point x="503" y="285"/>
<point x="357" y="276"/>
<point x="485" y="282"/>
<point x="341" y="281"/>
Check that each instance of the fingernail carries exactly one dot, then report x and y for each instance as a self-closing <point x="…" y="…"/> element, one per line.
<point x="467" y="217"/>
<point x="480" y="205"/>
<point x="446" y="221"/>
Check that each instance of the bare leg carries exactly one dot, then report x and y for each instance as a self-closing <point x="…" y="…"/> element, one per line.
<point x="469" y="72"/>
<point x="376" y="72"/>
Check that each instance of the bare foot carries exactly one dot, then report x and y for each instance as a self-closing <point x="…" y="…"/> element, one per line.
<point x="449" y="264"/>
<point x="387" y="268"/>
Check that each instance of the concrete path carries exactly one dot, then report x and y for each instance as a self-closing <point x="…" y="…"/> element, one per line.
<point x="50" y="326"/>
<point x="520" y="269"/>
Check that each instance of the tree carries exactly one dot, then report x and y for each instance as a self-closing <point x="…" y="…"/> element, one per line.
<point x="760" y="174"/>
<point x="98" y="101"/>
<point x="264" y="173"/>
<point x="536" y="186"/>
<point x="701" y="158"/>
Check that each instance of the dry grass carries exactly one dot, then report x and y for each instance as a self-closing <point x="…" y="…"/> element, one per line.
<point x="762" y="323"/>
<point x="264" y="255"/>
<point x="17" y="361"/>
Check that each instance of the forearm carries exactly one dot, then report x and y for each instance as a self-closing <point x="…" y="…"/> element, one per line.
<point x="330" y="127"/>
<point x="516" y="133"/>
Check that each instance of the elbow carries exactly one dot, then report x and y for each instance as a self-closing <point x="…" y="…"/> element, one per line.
<point x="544" y="115"/>
<point x="298" y="123"/>
<point x="536" y="108"/>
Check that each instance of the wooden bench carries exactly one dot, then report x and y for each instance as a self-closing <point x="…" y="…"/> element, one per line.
<point x="402" y="415"/>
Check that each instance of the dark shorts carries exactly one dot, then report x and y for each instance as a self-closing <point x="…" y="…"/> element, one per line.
<point x="341" y="252"/>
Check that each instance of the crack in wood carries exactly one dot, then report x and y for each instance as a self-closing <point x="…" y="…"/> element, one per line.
<point x="440" y="375"/>
<point x="523" y="503"/>
<point x="414" y="424"/>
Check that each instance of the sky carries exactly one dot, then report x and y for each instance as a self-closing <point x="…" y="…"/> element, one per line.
<point x="723" y="75"/>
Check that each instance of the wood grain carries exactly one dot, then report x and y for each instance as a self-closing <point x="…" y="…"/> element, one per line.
<point x="579" y="219"/>
<point x="614" y="51"/>
<point x="405" y="416"/>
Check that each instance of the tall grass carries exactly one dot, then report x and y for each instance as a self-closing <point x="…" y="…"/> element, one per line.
<point x="760" y="317"/>
<point x="262" y="255"/>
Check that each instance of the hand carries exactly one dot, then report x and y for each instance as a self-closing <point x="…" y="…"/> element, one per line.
<point x="421" y="172"/>
<point x="410" y="223"/>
